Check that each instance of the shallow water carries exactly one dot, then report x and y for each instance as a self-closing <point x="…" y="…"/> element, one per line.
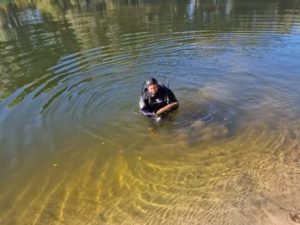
<point x="74" y="149"/>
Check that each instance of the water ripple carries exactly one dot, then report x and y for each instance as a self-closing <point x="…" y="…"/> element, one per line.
<point x="222" y="159"/>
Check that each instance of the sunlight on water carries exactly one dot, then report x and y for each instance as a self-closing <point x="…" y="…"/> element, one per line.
<point x="236" y="180"/>
<point x="74" y="149"/>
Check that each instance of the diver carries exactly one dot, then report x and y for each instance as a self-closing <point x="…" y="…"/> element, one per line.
<point x="157" y="100"/>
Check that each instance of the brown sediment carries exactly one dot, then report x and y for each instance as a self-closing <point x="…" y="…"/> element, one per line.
<point x="295" y="217"/>
<point x="245" y="179"/>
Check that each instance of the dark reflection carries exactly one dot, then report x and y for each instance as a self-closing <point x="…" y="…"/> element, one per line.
<point x="35" y="35"/>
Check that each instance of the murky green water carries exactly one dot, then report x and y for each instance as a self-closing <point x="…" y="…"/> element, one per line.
<point x="74" y="150"/>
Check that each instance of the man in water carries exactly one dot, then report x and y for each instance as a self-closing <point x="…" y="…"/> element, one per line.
<point x="157" y="100"/>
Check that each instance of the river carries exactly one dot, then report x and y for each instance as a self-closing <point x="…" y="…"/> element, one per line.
<point x="74" y="148"/>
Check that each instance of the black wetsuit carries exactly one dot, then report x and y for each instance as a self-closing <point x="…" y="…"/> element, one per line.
<point x="149" y="104"/>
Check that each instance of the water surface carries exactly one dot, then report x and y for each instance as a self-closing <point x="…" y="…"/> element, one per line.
<point x="74" y="149"/>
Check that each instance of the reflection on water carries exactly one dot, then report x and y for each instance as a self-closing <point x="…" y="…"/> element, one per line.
<point x="74" y="149"/>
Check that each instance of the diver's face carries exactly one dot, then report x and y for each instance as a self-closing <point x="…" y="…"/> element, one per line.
<point x="153" y="88"/>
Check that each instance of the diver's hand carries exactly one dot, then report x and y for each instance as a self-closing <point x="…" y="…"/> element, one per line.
<point x="153" y="114"/>
<point x="157" y="119"/>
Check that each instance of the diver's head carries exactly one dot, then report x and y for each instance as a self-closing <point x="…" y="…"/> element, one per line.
<point x="152" y="86"/>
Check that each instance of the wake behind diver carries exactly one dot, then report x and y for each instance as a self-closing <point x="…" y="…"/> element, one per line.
<point x="157" y="100"/>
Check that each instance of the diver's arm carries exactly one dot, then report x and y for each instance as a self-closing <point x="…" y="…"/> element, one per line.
<point x="171" y="96"/>
<point x="145" y="109"/>
<point x="172" y="99"/>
